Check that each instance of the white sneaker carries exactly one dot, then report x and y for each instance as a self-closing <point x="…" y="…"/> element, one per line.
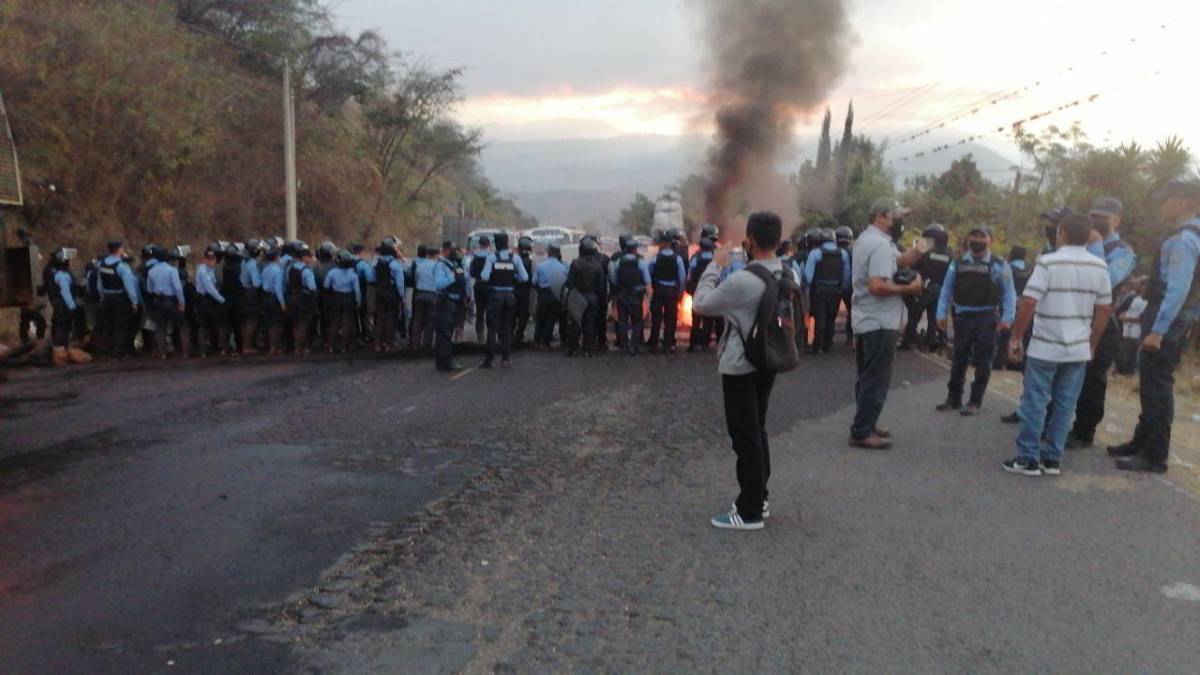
<point x="732" y="521"/>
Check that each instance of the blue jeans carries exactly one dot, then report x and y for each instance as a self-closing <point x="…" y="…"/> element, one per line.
<point x="1046" y="381"/>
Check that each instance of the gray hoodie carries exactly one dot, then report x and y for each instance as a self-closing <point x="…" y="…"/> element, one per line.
<point x="736" y="301"/>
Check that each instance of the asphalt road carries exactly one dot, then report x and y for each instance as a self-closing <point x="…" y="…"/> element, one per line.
<point x="368" y="515"/>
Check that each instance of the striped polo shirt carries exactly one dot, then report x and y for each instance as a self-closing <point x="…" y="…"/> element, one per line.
<point x="1068" y="284"/>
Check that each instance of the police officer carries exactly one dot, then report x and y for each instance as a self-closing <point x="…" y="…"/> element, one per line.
<point x="274" y="302"/>
<point x="61" y="292"/>
<point x="585" y="277"/>
<point x="702" y="326"/>
<point x="977" y="285"/>
<point x="631" y="276"/>
<point x="1173" y="305"/>
<point x="425" y="300"/>
<point x="475" y="272"/>
<point x="502" y="272"/>
<point x="827" y="274"/>
<point x="845" y="241"/>
<point x="523" y="291"/>
<point x="211" y="315"/>
<point x="118" y="300"/>
<point x="549" y="278"/>
<point x="453" y="289"/>
<point x="1020" y="275"/>
<point x="365" y="272"/>
<point x="668" y="277"/>
<point x="1051" y="219"/>
<point x="1118" y="254"/>
<point x="932" y="267"/>
<point x="250" y="282"/>
<point x="389" y="295"/>
<point x="325" y="253"/>
<point x="301" y="297"/>
<point x="165" y="301"/>
<point x="345" y="297"/>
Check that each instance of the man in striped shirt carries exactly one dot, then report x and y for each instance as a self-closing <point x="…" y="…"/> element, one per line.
<point x="1070" y="294"/>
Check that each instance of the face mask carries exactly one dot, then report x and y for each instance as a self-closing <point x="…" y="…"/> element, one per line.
<point x="1103" y="228"/>
<point x="977" y="247"/>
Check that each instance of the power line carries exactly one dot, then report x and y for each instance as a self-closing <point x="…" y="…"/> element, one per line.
<point x="994" y="99"/>
<point x="1016" y="126"/>
<point x="899" y="105"/>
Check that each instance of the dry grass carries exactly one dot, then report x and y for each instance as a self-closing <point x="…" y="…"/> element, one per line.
<point x="1122" y="410"/>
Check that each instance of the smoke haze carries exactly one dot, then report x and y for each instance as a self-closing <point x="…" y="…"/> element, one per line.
<point x="770" y="62"/>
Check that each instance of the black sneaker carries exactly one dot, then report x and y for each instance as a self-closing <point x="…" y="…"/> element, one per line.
<point x="1011" y="419"/>
<point x="1051" y="467"/>
<point x="948" y="405"/>
<point x="1024" y="467"/>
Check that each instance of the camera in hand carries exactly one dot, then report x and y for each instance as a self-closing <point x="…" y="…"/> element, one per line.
<point x="904" y="277"/>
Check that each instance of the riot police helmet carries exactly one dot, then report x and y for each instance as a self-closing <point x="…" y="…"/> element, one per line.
<point x="933" y="230"/>
<point x="709" y="231"/>
<point x="345" y="258"/>
<point x="588" y="245"/>
<point x="525" y="244"/>
<point x="844" y="234"/>
<point x="828" y="235"/>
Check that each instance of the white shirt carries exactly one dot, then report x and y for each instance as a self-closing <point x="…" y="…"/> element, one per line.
<point x="1133" y="329"/>
<point x="1068" y="284"/>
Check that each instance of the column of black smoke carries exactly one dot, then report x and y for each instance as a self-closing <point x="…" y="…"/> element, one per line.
<point x="771" y="61"/>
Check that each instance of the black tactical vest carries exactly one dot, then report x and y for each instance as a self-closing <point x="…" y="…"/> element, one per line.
<point x="974" y="285"/>
<point x="110" y="281"/>
<point x="528" y="266"/>
<point x="477" y="263"/>
<point x="458" y="288"/>
<point x="504" y="272"/>
<point x="665" y="268"/>
<point x="828" y="271"/>
<point x="1158" y="285"/>
<point x="935" y="265"/>
<point x="231" y="270"/>
<point x="629" y="276"/>
<point x="385" y="283"/>
<point x="295" y="280"/>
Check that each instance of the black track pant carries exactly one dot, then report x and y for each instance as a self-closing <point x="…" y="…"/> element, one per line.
<point x="974" y="343"/>
<point x="1156" y="379"/>
<point x="825" y="303"/>
<point x="521" y="316"/>
<point x="1089" y="411"/>
<point x="447" y="316"/>
<point x="664" y="305"/>
<point x="211" y="324"/>
<point x="116" y="315"/>
<point x="630" y="321"/>
<point x="549" y="314"/>
<point x="746" y="400"/>
<point x="501" y="309"/>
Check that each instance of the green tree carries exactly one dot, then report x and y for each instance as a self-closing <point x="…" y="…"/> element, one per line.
<point x="638" y="217"/>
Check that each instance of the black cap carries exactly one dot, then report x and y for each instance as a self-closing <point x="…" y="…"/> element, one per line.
<point x="115" y="245"/>
<point x="1056" y="214"/>
<point x="1016" y="253"/>
<point x="981" y="229"/>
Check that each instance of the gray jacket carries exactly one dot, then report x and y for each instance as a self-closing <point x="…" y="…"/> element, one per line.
<point x="736" y="301"/>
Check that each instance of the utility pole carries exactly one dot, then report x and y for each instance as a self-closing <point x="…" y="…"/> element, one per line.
<point x="289" y="148"/>
<point x="1012" y="209"/>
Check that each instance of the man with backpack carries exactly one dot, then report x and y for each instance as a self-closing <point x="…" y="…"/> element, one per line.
<point x="761" y="305"/>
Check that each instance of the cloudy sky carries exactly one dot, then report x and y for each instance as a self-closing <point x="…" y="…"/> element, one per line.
<point x="546" y="69"/>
